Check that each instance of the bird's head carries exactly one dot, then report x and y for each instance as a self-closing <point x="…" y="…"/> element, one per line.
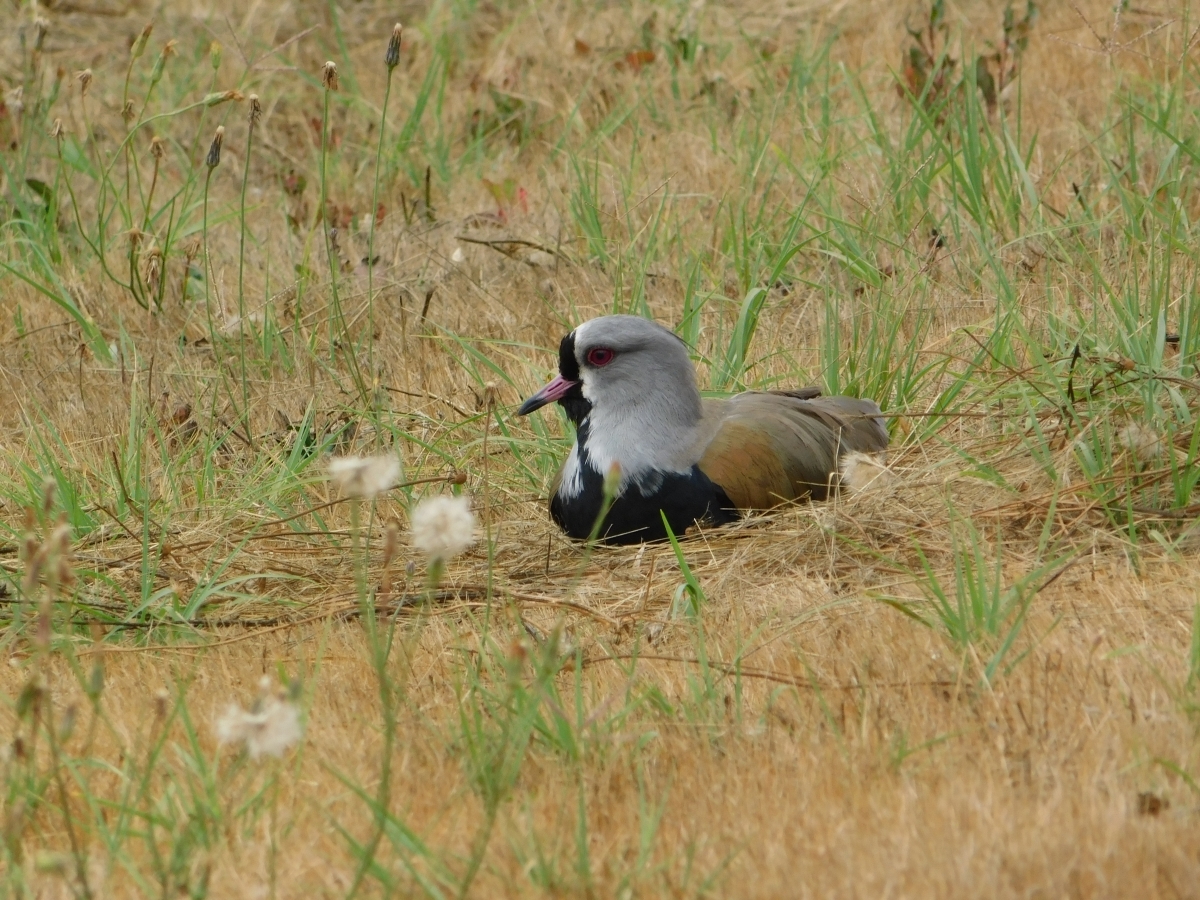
<point x="621" y="362"/>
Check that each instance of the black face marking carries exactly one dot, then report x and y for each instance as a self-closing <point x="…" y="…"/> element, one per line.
<point x="576" y="405"/>
<point x="568" y="365"/>
<point x="634" y="517"/>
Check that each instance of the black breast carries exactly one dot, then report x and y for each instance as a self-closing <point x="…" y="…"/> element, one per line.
<point x="685" y="498"/>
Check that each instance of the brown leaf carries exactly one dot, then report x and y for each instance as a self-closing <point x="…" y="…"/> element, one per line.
<point x="636" y="60"/>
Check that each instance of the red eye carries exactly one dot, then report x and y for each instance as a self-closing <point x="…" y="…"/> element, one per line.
<point x="600" y="356"/>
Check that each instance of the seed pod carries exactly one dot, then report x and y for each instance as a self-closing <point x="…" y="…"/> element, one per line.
<point x="329" y="76"/>
<point x="391" y="58"/>
<point x="222" y="97"/>
<point x="160" y="64"/>
<point x="214" y="149"/>
<point x="139" y="45"/>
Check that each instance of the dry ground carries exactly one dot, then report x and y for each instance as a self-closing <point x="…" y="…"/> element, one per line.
<point x="563" y="724"/>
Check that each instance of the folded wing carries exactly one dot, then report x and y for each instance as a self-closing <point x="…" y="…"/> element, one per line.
<point x="768" y="448"/>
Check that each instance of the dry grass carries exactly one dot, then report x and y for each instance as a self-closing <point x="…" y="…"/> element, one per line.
<point x="799" y="736"/>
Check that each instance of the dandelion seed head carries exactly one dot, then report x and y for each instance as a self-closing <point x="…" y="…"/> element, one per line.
<point x="357" y="476"/>
<point x="1144" y="443"/>
<point x="270" y="727"/>
<point x="863" y="471"/>
<point x="443" y="526"/>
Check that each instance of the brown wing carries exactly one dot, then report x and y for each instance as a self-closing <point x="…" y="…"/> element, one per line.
<point x="770" y="448"/>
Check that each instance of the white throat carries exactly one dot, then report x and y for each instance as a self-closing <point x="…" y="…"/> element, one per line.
<point x="638" y="439"/>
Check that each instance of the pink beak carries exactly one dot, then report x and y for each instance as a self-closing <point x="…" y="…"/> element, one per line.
<point x="555" y="390"/>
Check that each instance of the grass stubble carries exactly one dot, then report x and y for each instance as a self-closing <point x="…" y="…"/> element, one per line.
<point x="232" y="674"/>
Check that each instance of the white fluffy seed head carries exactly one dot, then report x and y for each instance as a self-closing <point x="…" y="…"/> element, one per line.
<point x="1142" y="442"/>
<point x="863" y="471"/>
<point x="270" y="727"/>
<point x="357" y="476"/>
<point x="443" y="526"/>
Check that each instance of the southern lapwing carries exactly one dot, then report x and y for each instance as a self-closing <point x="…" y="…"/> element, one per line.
<point x="629" y="387"/>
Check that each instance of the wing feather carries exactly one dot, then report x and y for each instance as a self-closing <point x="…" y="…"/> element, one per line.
<point x="772" y="448"/>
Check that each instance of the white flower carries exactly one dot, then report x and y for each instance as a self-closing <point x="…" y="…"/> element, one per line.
<point x="358" y="476"/>
<point x="861" y="471"/>
<point x="443" y="526"/>
<point x="270" y="726"/>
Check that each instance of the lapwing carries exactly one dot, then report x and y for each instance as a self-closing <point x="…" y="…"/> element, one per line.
<point x="629" y="387"/>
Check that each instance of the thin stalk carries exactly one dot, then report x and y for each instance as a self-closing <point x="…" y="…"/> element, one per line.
<point x="325" y="225"/>
<point x="214" y="157"/>
<point x="77" y="851"/>
<point x="242" y="217"/>
<point x="255" y="112"/>
<point x="336" y="319"/>
<point x="380" y="650"/>
<point x="391" y="58"/>
<point x="74" y="201"/>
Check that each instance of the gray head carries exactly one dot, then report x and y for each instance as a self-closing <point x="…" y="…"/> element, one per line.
<point x="622" y="363"/>
<point x="633" y="382"/>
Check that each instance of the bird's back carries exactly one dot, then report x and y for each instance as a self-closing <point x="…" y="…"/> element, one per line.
<point x="766" y="448"/>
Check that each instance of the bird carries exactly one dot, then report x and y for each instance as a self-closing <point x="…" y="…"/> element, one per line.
<point x="646" y="438"/>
